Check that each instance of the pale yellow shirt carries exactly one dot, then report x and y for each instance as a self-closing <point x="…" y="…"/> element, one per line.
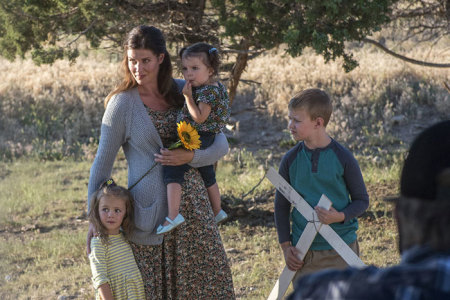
<point x="114" y="264"/>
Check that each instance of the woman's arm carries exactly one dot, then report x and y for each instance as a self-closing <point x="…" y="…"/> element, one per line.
<point x="112" y="136"/>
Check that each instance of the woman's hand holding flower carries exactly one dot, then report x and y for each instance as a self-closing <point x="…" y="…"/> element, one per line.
<point x="175" y="157"/>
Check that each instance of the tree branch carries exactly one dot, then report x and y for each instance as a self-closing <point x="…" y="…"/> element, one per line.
<point x="417" y="12"/>
<point x="254" y="188"/>
<point x="410" y="60"/>
<point x="81" y="33"/>
<point x="447" y="86"/>
<point x="242" y="51"/>
<point x="246" y="81"/>
<point x="71" y="11"/>
<point x="20" y="13"/>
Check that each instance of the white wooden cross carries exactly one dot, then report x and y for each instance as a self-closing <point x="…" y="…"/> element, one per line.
<point x="309" y="233"/>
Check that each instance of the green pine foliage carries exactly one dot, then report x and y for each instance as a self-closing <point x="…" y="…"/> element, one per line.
<point x="323" y="25"/>
<point x="49" y="29"/>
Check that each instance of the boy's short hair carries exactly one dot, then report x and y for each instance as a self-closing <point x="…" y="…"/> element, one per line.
<point x="315" y="102"/>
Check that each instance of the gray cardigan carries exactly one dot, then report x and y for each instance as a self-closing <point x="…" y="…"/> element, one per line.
<point x="126" y="124"/>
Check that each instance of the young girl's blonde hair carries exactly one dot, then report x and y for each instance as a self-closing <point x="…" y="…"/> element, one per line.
<point x="108" y="189"/>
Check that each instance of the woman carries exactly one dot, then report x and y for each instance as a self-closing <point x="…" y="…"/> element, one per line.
<point x="140" y="116"/>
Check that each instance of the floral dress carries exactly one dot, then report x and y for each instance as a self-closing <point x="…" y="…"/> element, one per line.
<point x="191" y="262"/>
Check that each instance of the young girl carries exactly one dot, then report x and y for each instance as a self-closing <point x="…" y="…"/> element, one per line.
<point x="207" y="109"/>
<point x="115" y="274"/>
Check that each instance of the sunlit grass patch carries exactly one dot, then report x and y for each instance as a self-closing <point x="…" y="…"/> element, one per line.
<point x="255" y="256"/>
<point x="34" y="191"/>
<point x="44" y="265"/>
<point x="241" y="170"/>
<point x="42" y="232"/>
<point x="378" y="241"/>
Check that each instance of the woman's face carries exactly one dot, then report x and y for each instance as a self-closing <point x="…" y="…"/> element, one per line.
<point x="144" y="65"/>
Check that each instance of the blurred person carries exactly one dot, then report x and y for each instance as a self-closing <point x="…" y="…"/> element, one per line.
<point x="140" y="116"/>
<point x="422" y="213"/>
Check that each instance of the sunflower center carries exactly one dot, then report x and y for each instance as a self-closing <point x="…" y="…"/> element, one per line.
<point x="186" y="136"/>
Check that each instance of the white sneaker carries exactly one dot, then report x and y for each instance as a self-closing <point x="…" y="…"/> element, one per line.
<point x="179" y="219"/>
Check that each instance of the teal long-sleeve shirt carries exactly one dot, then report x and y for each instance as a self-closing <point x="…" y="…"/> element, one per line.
<point x="332" y="171"/>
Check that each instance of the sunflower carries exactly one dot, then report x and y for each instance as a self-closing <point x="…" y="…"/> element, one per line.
<point x="188" y="135"/>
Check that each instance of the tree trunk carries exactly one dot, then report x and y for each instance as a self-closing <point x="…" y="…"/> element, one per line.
<point x="238" y="69"/>
<point x="195" y="16"/>
<point x="194" y="20"/>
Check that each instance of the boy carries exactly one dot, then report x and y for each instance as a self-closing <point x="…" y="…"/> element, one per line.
<point x="318" y="165"/>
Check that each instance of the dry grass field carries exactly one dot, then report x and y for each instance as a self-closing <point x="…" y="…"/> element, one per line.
<point x="49" y="124"/>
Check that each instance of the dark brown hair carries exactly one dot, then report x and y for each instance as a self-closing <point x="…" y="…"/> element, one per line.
<point x="149" y="38"/>
<point x="207" y="53"/>
<point x="111" y="190"/>
<point x="315" y="102"/>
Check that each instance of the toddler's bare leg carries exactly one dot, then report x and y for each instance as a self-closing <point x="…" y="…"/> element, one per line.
<point x="173" y="200"/>
<point x="214" y="198"/>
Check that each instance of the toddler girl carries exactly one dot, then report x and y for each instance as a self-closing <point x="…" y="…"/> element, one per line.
<point x="115" y="274"/>
<point x="207" y="109"/>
